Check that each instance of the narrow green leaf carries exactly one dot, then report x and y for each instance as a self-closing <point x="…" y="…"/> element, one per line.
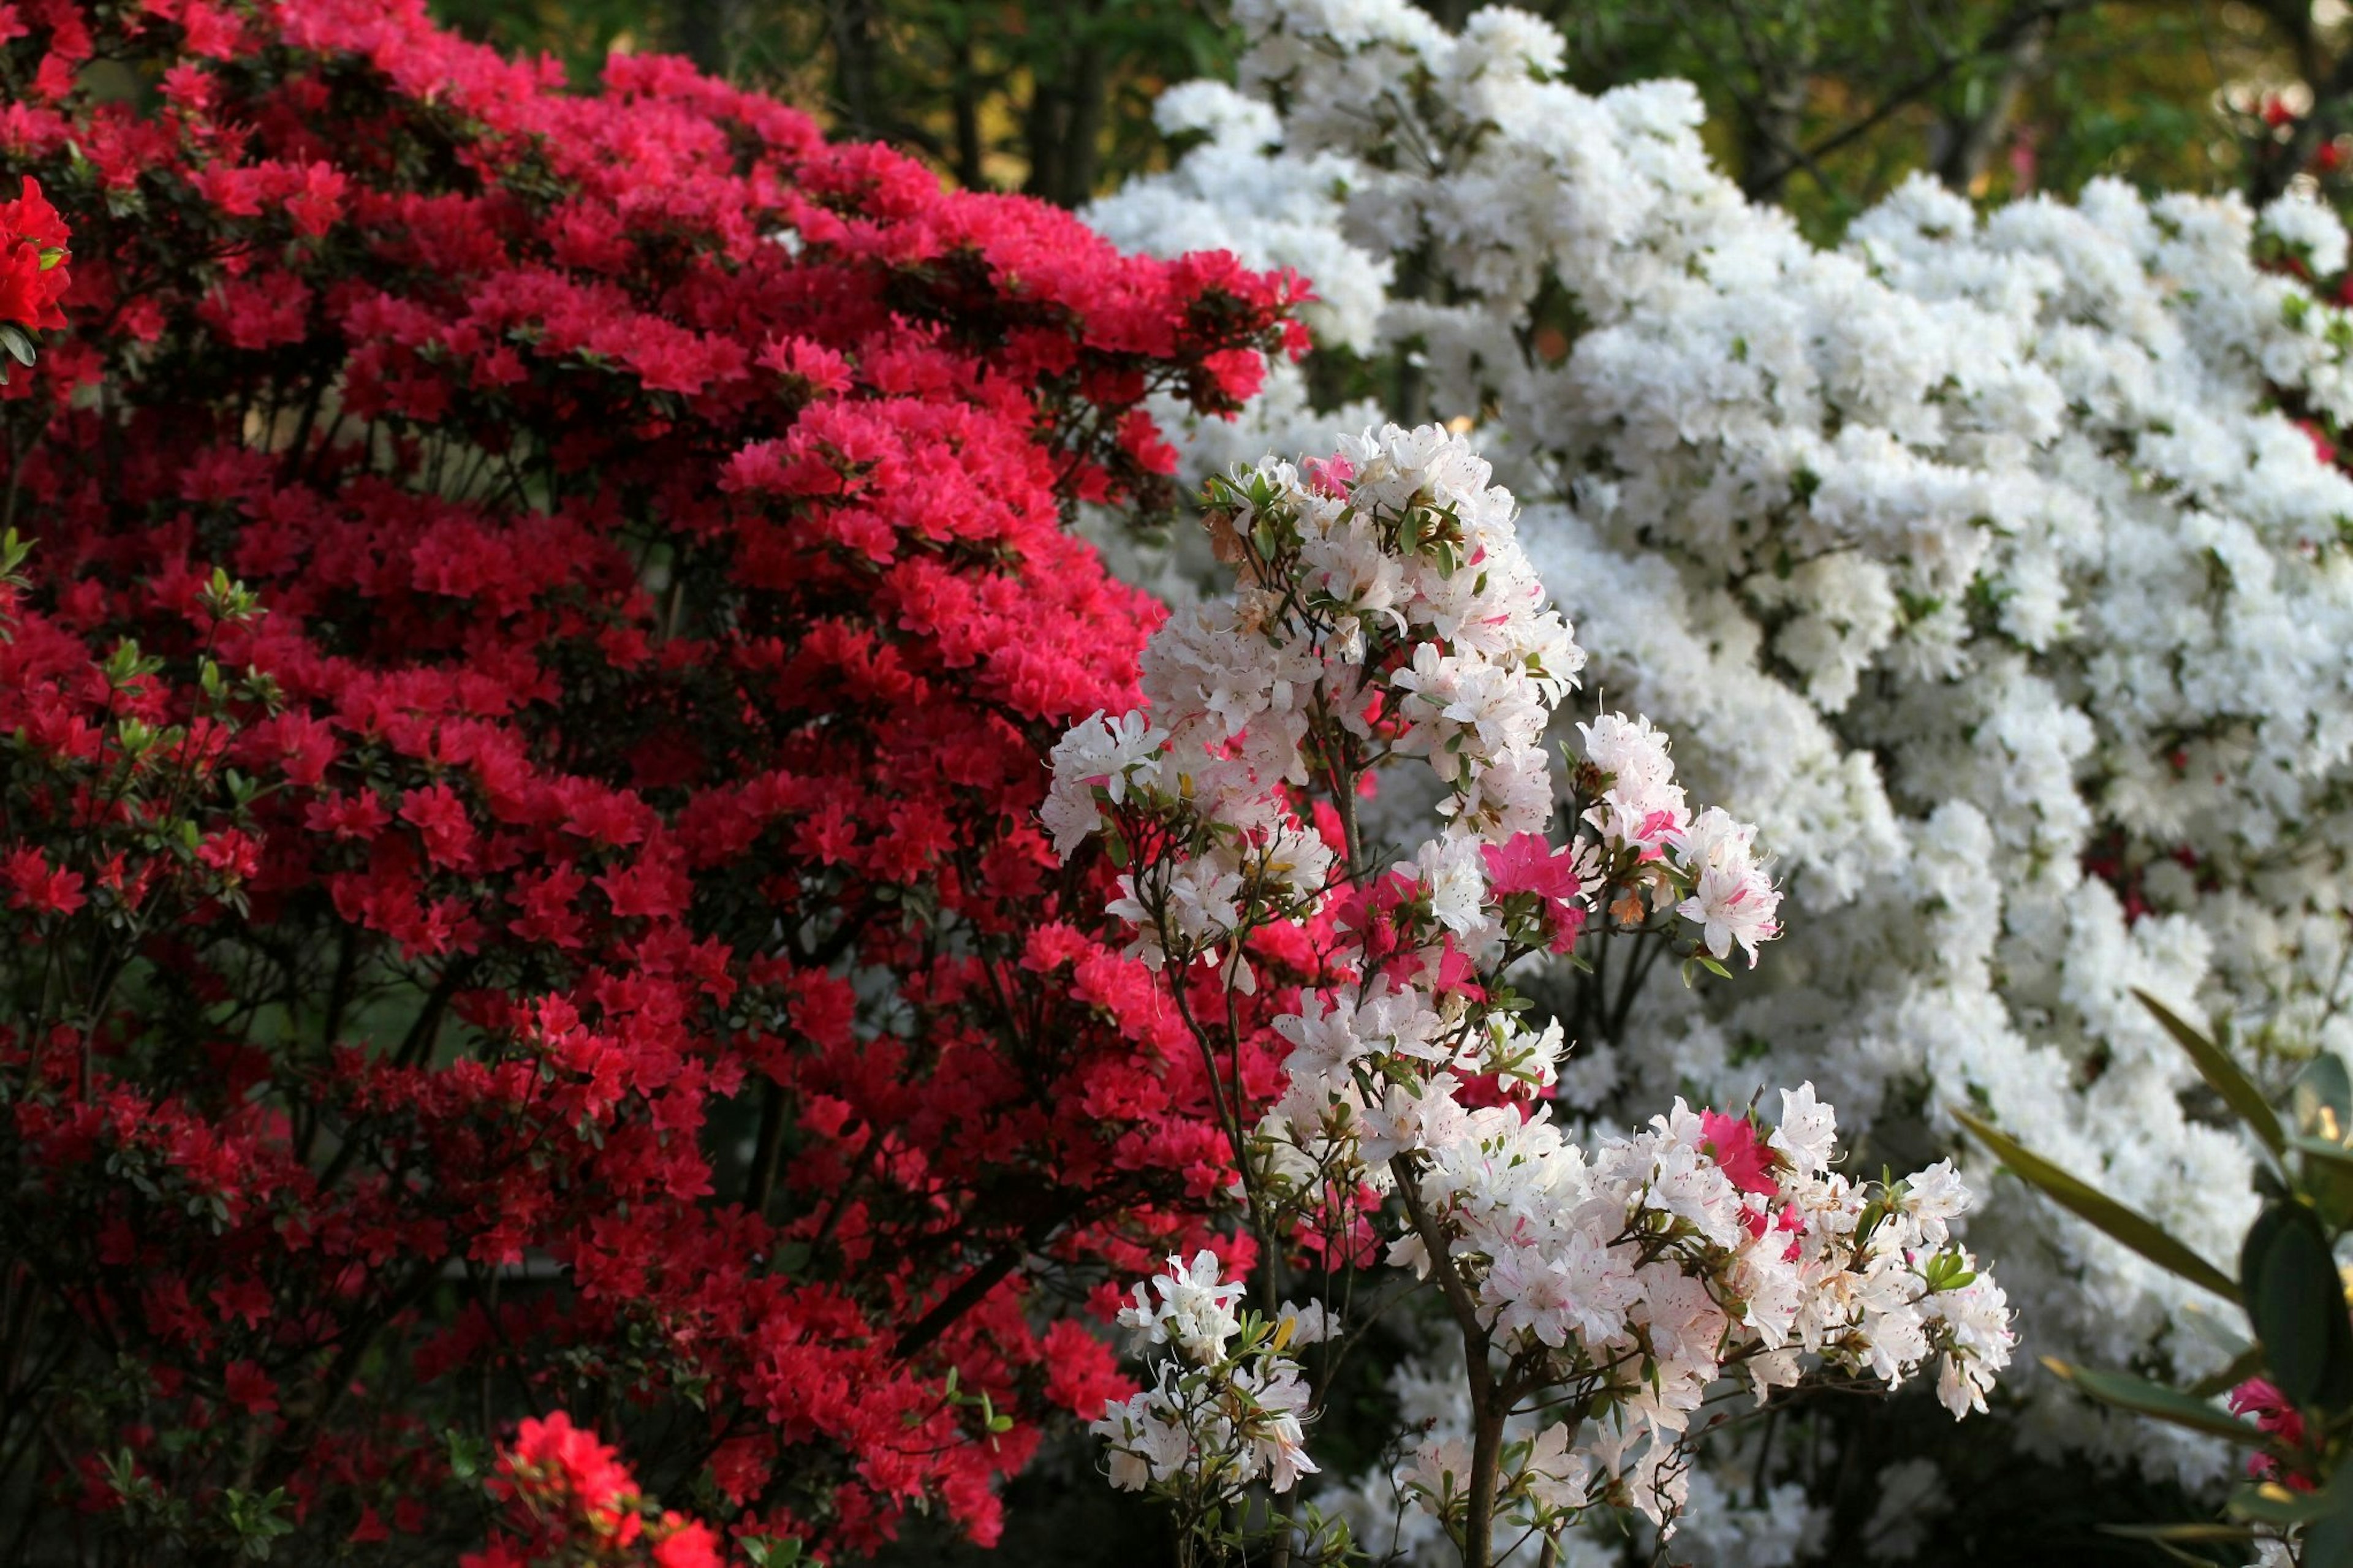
<point x="2221" y="1074"/>
<point x="2322" y="1521"/>
<point x="2183" y="1555"/>
<point x="2208" y="1530"/>
<point x="2087" y="1202"/>
<point x="2268" y="1502"/>
<point x="18" y="343"/>
<point x="2155" y="1400"/>
<point x="2323" y="1149"/>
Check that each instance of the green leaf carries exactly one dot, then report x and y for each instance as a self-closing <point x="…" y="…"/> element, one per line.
<point x="470" y="1457"/>
<point x="2221" y="1074"/>
<point x="2270" y="1503"/>
<point x="2155" y="1400"/>
<point x="2130" y="1226"/>
<point x="2297" y="1302"/>
<point x="2324" y="1177"/>
<point x="2323" y="1098"/>
<point x="2200" y="1531"/>
<point x="17" y="341"/>
<point x="2323" y="1519"/>
<point x="2323" y="1149"/>
<point x="2327" y="1541"/>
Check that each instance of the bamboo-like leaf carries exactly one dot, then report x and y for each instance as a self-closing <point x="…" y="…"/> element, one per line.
<point x="2155" y="1400"/>
<point x="2206" y="1530"/>
<point x="2221" y="1074"/>
<point x="2183" y="1555"/>
<point x="2128" y="1226"/>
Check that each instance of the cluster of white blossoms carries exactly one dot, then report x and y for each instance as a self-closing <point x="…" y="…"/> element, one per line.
<point x="1386" y="613"/>
<point x="1396" y="542"/>
<point x="1226" y="1409"/>
<point x="1641" y="1274"/>
<point x="1982" y="562"/>
<point x="1723" y="1522"/>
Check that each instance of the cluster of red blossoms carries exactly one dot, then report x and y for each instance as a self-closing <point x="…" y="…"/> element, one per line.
<point x="520" y="730"/>
<point x="2277" y="1417"/>
<point x="570" y="1500"/>
<point x="33" y="276"/>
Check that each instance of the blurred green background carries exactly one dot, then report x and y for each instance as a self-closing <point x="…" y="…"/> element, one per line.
<point x="1819" y="104"/>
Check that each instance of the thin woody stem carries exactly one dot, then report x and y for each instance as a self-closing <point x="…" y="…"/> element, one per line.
<point x="1488" y="1409"/>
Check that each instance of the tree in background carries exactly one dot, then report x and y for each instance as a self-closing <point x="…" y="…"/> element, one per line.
<point x="1825" y="105"/>
<point x="1821" y="105"/>
<point x="1052" y="98"/>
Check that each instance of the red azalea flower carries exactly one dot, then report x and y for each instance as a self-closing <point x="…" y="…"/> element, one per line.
<point x="1731" y="1142"/>
<point x="33" y="260"/>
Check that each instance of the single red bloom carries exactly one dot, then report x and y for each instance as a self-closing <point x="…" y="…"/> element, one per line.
<point x="250" y="1388"/>
<point x="1730" y="1141"/>
<point x="688" y="1545"/>
<point x="37" y="886"/>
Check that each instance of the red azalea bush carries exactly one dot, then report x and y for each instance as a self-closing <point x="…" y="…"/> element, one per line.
<point x="523" y="719"/>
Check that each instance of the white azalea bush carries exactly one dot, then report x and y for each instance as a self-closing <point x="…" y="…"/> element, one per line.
<point x="1602" y="1297"/>
<point x="1986" y="564"/>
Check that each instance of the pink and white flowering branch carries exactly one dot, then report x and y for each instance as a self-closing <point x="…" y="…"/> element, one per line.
<point x="1385" y="611"/>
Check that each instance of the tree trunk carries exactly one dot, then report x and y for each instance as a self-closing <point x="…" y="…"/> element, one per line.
<point x="971" y="168"/>
<point x="1082" y="152"/>
<point x="855" y="30"/>
<point x="1064" y="124"/>
<point x="706" y="31"/>
<point x="1486" y="1464"/>
<point x="1963" y="145"/>
<point x="1768" y="143"/>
